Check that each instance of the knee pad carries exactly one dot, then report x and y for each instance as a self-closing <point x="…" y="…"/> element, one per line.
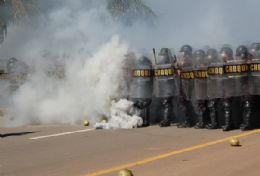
<point x="211" y="104"/>
<point x="226" y="104"/>
<point x="247" y="104"/>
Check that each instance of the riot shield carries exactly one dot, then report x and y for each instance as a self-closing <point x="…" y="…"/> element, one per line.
<point x="165" y="84"/>
<point x="255" y="76"/>
<point x="236" y="78"/>
<point x="142" y="83"/>
<point x="200" y="73"/>
<point x="186" y="73"/>
<point x="187" y="82"/>
<point x="215" y="81"/>
<point x="200" y="82"/>
<point x="165" y="79"/>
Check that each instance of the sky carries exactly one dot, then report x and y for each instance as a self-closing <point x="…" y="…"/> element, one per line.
<point x="201" y="23"/>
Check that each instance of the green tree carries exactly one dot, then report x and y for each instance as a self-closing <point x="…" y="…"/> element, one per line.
<point x="128" y="11"/>
<point x="16" y="11"/>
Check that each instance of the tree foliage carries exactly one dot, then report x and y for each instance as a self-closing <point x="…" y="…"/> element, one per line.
<point x="129" y="11"/>
<point x="16" y="11"/>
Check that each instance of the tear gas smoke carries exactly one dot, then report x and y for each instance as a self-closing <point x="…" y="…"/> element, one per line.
<point x="86" y="91"/>
<point x="76" y="53"/>
<point x="120" y="116"/>
<point x="76" y="66"/>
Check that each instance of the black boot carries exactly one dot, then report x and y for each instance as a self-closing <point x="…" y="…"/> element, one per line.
<point x="213" y="115"/>
<point x="200" y="124"/>
<point x="227" y="126"/>
<point x="166" y="113"/>
<point x="201" y="109"/>
<point x="214" y="123"/>
<point x="227" y="115"/>
<point x="165" y="123"/>
<point x="184" y="124"/>
<point x="146" y="115"/>
<point x="246" y="125"/>
<point x="186" y="108"/>
<point x="142" y="109"/>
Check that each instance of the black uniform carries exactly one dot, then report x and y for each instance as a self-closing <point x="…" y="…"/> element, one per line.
<point x="17" y="73"/>
<point x="141" y="88"/>
<point x="200" y="66"/>
<point x="255" y="69"/>
<point x="4" y="83"/>
<point x="235" y="82"/>
<point x="255" y="79"/>
<point x="226" y="54"/>
<point x="186" y="86"/>
<point x="243" y="56"/>
<point x="214" y="86"/>
<point x="165" y="85"/>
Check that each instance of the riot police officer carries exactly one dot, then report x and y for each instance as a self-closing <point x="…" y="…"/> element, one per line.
<point x="141" y="88"/>
<point x="244" y="58"/>
<point x="4" y="83"/>
<point x="186" y="85"/>
<point x="235" y="82"/>
<point x="214" y="86"/>
<point x="255" y="68"/>
<point x="165" y="87"/>
<point x="255" y="76"/>
<point x="18" y="72"/>
<point x="200" y="86"/>
<point x="226" y="54"/>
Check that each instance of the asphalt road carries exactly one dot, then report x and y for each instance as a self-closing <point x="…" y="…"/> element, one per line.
<point x="61" y="150"/>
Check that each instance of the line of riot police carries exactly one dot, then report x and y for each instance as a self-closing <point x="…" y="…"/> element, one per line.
<point x="210" y="88"/>
<point x="13" y="73"/>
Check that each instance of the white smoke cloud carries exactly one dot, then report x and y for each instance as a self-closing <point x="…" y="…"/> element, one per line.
<point x="121" y="116"/>
<point x="84" y="45"/>
<point x="86" y="92"/>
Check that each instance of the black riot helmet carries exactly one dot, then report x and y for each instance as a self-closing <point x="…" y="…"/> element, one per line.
<point x="199" y="57"/>
<point x="242" y="51"/>
<point x="143" y="63"/>
<point x="185" y="56"/>
<point x="12" y="60"/>
<point x="255" y="50"/>
<point x="212" y="55"/>
<point x="11" y="63"/>
<point x="164" y="56"/>
<point x="226" y="53"/>
<point x="186" y="49"/>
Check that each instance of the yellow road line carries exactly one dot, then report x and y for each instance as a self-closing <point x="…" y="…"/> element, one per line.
<point x="162" y="156"/>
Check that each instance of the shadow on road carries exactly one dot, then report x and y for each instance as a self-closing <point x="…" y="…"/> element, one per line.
<point x="15" y="134"/>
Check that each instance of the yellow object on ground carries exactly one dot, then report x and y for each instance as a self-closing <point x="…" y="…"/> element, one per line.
<point x="104" y="119"/>
<point x="86" y="123"/>
<point x="234" y="142"/>
<point x="125" y="172"/>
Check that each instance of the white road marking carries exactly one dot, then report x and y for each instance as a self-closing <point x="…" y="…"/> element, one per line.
<point x="61" y="134"/>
